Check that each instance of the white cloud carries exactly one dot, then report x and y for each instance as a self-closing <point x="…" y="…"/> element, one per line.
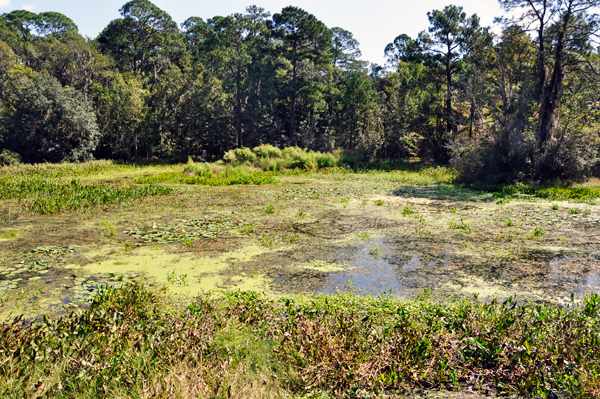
<point x="27" y="7"/>
<point x="4" y="3"/>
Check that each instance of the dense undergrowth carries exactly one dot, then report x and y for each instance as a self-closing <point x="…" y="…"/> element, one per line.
<point x="128" y="343"/>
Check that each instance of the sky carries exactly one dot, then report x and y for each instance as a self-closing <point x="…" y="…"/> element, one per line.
<point x="373" y="23"/>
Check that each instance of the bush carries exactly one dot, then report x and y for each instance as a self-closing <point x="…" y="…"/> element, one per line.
<point x="267" y="151"/>
<point x="239" y="156"/>
<point x="47" y="122"/>
<point x="9" y="158"/>
<point x="484" y="161"/>
<point x="296" y="157"/>
<point x="197" y="169"/>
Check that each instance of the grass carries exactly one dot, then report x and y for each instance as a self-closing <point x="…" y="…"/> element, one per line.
<point x="129" y="344"/>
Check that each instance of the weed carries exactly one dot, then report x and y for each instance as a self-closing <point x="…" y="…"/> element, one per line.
<point x="574" y="211"/>
<point x="43" y="196"/>
<point x="374" y="251"/>
<point x="171" y="277"/>
<point x="269" y="209"/>
<point x="127" y="246"/>
<point x="266" y="240"/>
<point x="343" y="200"/>
<point x="464" y="227"/>
<point x="422" y="232"/>
<point x="291" y="238"/>
<point x="554" y="207"/>
<point x="379" y="202"/>
<point x="186" y="241"/>
<point x="300" y="214"/>
<point x="109" y="230"/>
<point x="247" y="228"/>
<point x="509" y="223"/>
<point x="537" y="233"/>
<point x="406" y="211"/>
<point x="363" y="234"/>
<point x="452" y="210"/>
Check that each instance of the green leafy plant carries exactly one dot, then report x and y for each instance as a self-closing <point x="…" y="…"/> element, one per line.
<point x="291" y="238"/>
<point x="269" y="209"/>
<point x="464" y="227"/>
<point x="374" y="251"/>
<point x="538" y="233"/>
<point x="267" y="241"/>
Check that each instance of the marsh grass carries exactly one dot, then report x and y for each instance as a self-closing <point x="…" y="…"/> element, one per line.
<point x="131" y="343"/>
<point x="43" y="196"/>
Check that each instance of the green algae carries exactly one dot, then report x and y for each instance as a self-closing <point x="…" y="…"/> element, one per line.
<point x="9" y="235"/>
<point x="202" y="273"/>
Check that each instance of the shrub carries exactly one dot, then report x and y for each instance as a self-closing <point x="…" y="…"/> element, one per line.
<point x="9" y="158"/>
<point x="267" y="151"/>
<point x="325" y="160"/>
<point x="197" y="169"/>
<point x="239" y="156"/>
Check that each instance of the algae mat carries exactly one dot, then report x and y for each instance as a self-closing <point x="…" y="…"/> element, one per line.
<point x="367" y="233"/>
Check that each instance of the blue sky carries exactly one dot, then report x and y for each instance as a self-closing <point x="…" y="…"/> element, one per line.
<point x="373" y="23"/>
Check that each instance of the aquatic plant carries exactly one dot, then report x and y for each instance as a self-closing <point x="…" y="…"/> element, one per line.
<point x="463" y="226"/>
<point x="336" y="345"/>
<point x="43" y="196"/>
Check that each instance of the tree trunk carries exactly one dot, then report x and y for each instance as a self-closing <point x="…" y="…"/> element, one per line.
<point x="238" y="109"/>
<point x="551" y="91"/>
<point x="448" y="90"/>
<point x="293" y="107"/>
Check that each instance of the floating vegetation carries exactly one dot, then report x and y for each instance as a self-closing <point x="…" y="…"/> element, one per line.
<point x="31" y="266"/>
<point x="187" y="230"/>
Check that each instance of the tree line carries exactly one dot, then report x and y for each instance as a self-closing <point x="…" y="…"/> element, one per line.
<point x="518" y="104"/>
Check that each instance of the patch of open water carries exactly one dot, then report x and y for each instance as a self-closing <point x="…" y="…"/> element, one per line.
<point x="392" y="270"/>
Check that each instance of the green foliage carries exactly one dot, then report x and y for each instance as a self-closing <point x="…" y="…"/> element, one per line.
<point x="537" y="233"/>
<point x="178" y="178"/>
<point x="269" y="209"/>
<point x="46" y="197"/>
<point x="9" y="158"/>
<point x="48" y="122"/>
<point x="526" y="349"/>
<point x="464" y="227"/>
<point x="239" y="156"/>
<point x="267" y="151"/>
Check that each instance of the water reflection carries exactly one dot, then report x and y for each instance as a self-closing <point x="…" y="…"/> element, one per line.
<point x="371" y="273"/>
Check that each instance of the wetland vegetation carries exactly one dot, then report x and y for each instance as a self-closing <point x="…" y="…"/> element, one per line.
<point x="272" y="216"/>
<point x="325" y="282"/>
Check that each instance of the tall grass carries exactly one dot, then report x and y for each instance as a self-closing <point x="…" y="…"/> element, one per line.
<point x="270" y="158"/>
